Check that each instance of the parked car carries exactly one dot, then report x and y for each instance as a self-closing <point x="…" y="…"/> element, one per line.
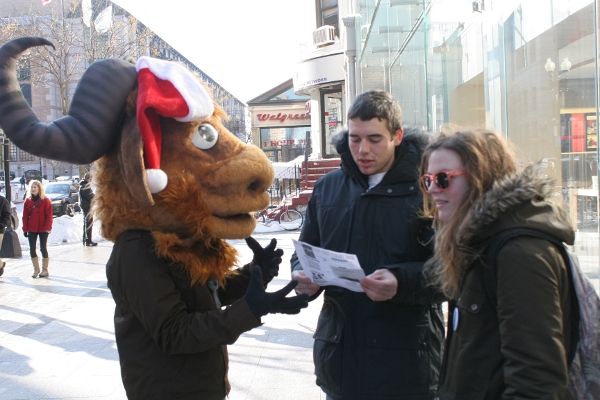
<point x="11" y="174"/>
<point x="64" y="197"/>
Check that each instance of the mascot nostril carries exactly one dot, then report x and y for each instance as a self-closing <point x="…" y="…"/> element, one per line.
<point x="256" y="186"/>
<point x="167" y="195"/>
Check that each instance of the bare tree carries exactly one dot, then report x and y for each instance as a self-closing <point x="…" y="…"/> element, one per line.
<point x="77" y="43"/>
<point x="55" y="165"/>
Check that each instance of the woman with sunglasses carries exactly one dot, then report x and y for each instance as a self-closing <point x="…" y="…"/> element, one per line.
<point x="519" y="347"/>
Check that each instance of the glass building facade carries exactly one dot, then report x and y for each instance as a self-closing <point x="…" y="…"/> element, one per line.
<point x="527" y="69"/>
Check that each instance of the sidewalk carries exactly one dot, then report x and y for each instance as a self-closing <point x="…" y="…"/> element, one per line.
<point x="57" y="335"/>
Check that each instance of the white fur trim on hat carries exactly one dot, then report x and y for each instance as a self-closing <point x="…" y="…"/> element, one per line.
<point x="157" y="180"/>
<point x="192" y="91"/>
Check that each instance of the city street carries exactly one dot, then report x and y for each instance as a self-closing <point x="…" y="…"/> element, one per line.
<point x="57" y="335"/>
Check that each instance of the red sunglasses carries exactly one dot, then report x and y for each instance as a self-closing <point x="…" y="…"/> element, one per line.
<point x="441" y="179"/>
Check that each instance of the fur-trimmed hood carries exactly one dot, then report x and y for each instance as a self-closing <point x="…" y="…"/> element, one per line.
<point x="409" y="152"/>
<point x="521" y="200"/>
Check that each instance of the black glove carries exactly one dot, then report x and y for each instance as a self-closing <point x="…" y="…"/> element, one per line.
<point x="262" y="303"/>
<point x="268" y="259"/>
<point x="26" y="234"/>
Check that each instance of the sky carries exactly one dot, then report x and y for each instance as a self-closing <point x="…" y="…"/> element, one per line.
<point x="246" y="46"/>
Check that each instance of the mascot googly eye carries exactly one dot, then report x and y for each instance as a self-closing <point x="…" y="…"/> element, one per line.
<point x="205" y="137"/>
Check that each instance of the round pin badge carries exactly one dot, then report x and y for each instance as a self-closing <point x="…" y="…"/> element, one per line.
<point x="455" y="319"/>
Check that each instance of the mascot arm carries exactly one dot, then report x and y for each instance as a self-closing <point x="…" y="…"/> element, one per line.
<point x="146" y="292"/>
<point x="235" y="285"/>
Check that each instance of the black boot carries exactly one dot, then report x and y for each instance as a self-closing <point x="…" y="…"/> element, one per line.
<point x="89" y="243"/>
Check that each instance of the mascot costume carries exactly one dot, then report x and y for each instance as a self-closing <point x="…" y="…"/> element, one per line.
<point x="171" y="185"/>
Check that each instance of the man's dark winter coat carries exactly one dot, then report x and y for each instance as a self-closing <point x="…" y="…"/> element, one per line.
<point x="86" y="195"/>
<point x="365" y="349"/>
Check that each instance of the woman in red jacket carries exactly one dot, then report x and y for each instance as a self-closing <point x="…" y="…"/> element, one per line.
<point x="37" y="221"/>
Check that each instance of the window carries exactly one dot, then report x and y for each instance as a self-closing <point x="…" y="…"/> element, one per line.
<point x="283" y="144"/>
<point x="333" y="120"/>
<point x="25" y="156"/>
<point x="23" y="71"/>
<point x="26" y="89"/>
<point x="330" y="14"/>
<point x="330" y="17"/>
<point x="12" y="152"/>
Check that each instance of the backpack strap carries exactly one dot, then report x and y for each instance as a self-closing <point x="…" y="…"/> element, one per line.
<point x="490" y="273"/>
<point x="490" y="256"/>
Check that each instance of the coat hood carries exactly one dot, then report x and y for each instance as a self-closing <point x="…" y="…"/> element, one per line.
<point x="523" y="200"/>
<point x="414" y="142"/>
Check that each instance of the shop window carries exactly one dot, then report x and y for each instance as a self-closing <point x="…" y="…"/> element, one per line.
<point x="333" y="120"/>
<point x="284" y="144"/>
<point x="591" y="133"/>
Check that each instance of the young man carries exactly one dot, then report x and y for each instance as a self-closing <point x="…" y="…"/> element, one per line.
<point x="86" y="194"/>
<point x="384" y="343"/>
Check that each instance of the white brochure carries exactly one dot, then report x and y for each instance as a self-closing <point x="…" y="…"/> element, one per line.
<point x="327" y="268"/>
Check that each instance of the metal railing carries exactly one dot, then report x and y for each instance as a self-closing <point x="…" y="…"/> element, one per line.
<point x="286" y="184"/>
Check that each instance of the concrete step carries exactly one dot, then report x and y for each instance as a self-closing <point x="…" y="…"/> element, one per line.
<point x="308" y="185"/>
<point x="319" y="171"/>
<point x="328" y="162"/>
<point x="299" y="200"/>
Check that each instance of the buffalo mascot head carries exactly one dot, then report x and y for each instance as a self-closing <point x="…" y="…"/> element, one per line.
<point x="163" y="161"/>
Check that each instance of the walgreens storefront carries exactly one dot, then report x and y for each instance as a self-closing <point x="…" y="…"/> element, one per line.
<point x="280" y="123"/>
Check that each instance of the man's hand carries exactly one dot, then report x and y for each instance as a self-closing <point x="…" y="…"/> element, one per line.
<point x="381" y="285"/>
<point x="305" y="284"/>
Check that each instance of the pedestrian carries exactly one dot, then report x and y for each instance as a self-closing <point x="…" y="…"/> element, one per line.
<point x="4" y="222"/>
<point x="518" y="346"/>
<point x="385" y="342"/>
<point x="86" y="194"/>
<point x="37" y="222"/>
<point x="22" y="180"/>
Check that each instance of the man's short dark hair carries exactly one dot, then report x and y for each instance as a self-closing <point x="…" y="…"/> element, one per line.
<point x="377" y="104"/>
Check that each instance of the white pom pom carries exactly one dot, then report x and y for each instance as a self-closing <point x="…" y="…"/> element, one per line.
<point x="157" y="180"/>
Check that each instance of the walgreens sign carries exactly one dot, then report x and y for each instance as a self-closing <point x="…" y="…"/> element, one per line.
<point x="280" y="118"/>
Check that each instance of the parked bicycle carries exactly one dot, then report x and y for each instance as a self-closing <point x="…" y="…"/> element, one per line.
<point x="288" y="218"/>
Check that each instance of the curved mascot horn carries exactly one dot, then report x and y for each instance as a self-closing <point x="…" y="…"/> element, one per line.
<point x="91" y="126"/>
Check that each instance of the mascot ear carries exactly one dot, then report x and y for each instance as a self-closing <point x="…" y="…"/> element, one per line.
<point x="131" y="164"/>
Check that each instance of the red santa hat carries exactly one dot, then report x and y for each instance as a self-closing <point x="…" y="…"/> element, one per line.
<point x="166" y="89"/>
